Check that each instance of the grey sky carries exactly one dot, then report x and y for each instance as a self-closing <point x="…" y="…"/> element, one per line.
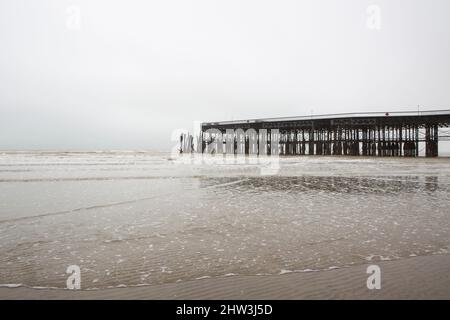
<point x="136" y="70"/>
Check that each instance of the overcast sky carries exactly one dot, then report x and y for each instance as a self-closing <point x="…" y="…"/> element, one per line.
<point x="102" y="74"/>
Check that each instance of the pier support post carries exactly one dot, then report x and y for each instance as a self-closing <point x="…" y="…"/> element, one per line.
<point x="431" y="141"/>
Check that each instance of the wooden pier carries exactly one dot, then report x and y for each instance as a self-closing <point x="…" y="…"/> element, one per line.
<point x="393" y="134"/>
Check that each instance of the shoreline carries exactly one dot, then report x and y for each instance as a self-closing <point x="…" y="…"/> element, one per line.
<point x="423" y="277"/>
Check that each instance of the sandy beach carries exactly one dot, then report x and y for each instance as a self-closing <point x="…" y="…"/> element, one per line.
<point x="146" y="226"/>
<point x="413" y="278"/>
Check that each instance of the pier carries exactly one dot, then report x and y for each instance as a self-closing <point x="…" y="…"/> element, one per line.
<point x="384" y="134"/>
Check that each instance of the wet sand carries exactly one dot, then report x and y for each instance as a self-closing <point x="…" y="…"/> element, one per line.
<point x="149" y="226"/>
<point x="426" y="277"/>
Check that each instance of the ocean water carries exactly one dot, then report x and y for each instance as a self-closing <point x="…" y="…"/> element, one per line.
<point x="141" y="218"/>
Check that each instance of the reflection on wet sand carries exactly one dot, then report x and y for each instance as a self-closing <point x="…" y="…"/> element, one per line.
<point x="335" y="184"/>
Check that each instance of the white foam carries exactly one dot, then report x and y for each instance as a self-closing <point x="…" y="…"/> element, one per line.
<point x="283" y="271"/>
<point x="11" y="285"/>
